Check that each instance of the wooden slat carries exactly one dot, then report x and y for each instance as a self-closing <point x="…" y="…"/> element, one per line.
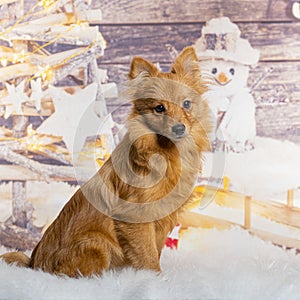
<point x="290" y="198"/>
<point x="247" y="212"/>
<point x="276" y="239"/>
<point x="269" y="209"/>
<point x="279" y="121"/>
<point x="8" y="172"/>
<point x="63" y="18"/>
<point x="23" y="69"/>
<point x="279" y="85"/>
<point x="191" y="219"/>
<point x="2" y="2"/>
<point x="16" y="173"/>
<point x="79" y="57"/>
<point x="80" y="35"/>
<point x="140" y="11"/>
<point x="15" y="237"/>
<point x="274" y="41"/>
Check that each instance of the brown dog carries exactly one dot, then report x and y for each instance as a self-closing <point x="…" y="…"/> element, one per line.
<point x="121" y="216"/>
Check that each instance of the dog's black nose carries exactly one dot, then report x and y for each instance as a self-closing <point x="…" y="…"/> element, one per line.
<point x="179" y="129"/>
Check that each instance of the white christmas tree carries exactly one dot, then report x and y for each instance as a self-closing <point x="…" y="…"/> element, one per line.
<point x="29" y="71"/>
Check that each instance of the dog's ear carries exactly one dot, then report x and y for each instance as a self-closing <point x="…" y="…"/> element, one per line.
<point x="187" y="54"/>
<point x="186" y="62"/>
<point x="140" y="66"/>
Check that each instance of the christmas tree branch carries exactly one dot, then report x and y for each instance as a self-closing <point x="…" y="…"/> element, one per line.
<point x="47" y="172"/>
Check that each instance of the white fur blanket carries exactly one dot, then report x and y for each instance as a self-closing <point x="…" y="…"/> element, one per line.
<point x="209" y="265"/>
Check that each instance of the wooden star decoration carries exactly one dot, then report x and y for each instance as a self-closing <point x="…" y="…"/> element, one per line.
<point x="74" y="118"/>
<point x="37" y="93"/>
<point x="13" y="101"/>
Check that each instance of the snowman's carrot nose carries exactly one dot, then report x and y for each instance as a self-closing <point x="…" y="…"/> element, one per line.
<point x="222" y="78"/>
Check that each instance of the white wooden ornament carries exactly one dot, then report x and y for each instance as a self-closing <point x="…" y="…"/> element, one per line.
<point x="74" y="118"/>
<point x="13" y="101"/>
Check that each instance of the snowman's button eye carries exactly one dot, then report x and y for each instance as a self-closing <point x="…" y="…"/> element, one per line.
<point x="231" y="71"/>
<point x="214" y="70"/>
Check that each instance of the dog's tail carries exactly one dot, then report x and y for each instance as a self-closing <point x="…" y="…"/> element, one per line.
<point x="18" y="258"/>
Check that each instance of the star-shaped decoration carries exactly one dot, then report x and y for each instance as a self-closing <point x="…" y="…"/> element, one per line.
<point x="13" y="101"/>
<point x="74" y="118"/>
<point x="37" y="93"/>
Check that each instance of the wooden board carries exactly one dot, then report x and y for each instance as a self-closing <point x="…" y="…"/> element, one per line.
<point x="23" y="69"/>
<point x="79" y="35"/>
<point x="16" y="173"/>
<point x="276" y="239"/>
<point x="280" y="121"/>
<point x="269" y="209"/>
<point x="64" y="18"/>
<point x="15" y="237"/>
<point x="191" y="219"/>
<point x="2" y="2"/>
<point x="279" y="85"/>
<point x="156" y="11"/>
<point x="275" y="41"/>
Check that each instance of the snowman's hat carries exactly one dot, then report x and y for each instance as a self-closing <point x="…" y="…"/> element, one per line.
<point x="220" y="38"/>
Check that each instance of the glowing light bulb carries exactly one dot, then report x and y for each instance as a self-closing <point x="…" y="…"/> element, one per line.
<point x="15" y="58"/>
<point x="3" y="62"/>
<point x="44" y="72"/>
<point x="46" y="3"/>
<point x="79" y="26"/>
<point x="20" y="57"/>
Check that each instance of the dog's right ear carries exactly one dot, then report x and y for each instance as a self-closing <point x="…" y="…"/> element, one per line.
<point x="186" y="62"/>
<point x="142" y="67"/>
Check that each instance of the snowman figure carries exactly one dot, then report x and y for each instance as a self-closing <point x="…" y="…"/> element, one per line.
<point x="224" y="62"/>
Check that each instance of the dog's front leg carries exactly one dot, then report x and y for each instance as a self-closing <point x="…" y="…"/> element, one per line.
<point x="138" y="243"/>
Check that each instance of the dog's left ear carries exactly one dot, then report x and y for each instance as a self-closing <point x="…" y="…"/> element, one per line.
<point x="143" y="67"/>
<point x="186" y="62"/>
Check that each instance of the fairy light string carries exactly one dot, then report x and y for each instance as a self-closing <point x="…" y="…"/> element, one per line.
<point x="45" y="71"/>
<point x="21" y="57"/>
<point x="45" y="3"/>
<point x="9" y="29"/>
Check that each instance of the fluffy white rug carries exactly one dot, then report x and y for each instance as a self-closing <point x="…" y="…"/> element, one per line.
<point x="209" y="265"/>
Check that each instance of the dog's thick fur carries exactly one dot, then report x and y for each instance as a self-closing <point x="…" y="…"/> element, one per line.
<point x="149" y="164"/>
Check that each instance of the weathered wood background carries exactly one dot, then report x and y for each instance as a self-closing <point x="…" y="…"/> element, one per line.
<point x="143" y="28"/>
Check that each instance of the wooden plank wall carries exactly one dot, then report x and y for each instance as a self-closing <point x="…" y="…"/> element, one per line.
<point x="143" y="28"/>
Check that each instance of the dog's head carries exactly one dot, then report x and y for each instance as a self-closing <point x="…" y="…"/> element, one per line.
<point x="170" y="104"/>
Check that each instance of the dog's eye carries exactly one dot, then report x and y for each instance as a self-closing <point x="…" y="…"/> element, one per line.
<point x="160" y="108"/>
<point x="214" y="70"/>
<point x="187" y="104"/>
<point x="231" y="71"/>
